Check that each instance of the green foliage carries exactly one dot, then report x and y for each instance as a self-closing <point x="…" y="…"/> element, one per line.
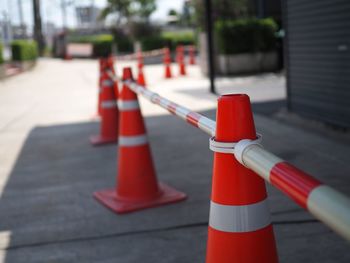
<point x="23" y="50"/>
<point x="245" y="35"/>
<point x="169" y="39"/>
<point x="124" y="44"/>
<point x="1" y="56"/>
<point x="102" y="44"/>
<point x="139" y="30"/>
<point x="129" y="10"/>
<point x="222" y="10"/>
<point x="152" y="42"/>
<point x="172" y="12"/>
<point x="173" y="39"/>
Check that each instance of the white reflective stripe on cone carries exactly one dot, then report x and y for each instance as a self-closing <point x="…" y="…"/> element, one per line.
<point x="107" y="83"/>
<point x="125" y="105"/>
<point x="133" y="140"/>
<point x="238" y="219"/>
<point x="107" y="104"/>
<point x="332" y="208"/>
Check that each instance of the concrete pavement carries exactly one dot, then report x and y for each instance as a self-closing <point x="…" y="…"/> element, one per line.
<point x="49" y="171"/>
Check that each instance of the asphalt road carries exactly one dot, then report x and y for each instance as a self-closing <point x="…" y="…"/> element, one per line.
<point x="48" y="171"/>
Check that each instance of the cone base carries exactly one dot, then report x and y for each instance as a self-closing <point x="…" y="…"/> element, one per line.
<point x="97" y="140"/>
<point x="110" y="199"/>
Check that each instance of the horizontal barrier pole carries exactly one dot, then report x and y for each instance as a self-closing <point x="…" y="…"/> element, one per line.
<point x="203" y="123"/>
<point x="145" y="54"/>
<point x="199" y="121"/>
<point x="323" y="202"/>
<point x="151" y="53"/>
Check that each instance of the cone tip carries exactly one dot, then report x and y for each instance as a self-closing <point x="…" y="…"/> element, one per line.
<point x="234" y="118"/>
<point x="127" y="73"/>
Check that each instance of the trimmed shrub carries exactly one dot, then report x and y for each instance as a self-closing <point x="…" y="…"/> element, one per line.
<point x="152" y="42"/>
<point x="24" y="50"/>
<point x="124" y="44"/>
<point x="102" y="44"/>
<point x="245" y="35"/>
<point x="1" y="55"/>
<point x="173" y="39"/>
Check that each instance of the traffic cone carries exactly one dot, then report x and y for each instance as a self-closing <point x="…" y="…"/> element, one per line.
<point x="167" y="63"/>
<point x="110" y="64"/>
<point x="239" y="223"/>
<point x="191" y="53"/>
<point x="139" y="60"/>
<point x="141" y="78"/>
<point x="99" y="97"/>
<point x="179" y="53"/>
<point x="182" y="67"/>
<point x="137" y="187"/>
<point x="67" y="56"/>
<point x="109" y="113"/>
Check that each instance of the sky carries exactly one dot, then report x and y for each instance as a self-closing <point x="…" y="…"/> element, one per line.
<point x="51" y="10"/>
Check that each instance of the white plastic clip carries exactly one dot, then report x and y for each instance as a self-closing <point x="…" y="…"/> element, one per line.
<point x="236" y="148"/>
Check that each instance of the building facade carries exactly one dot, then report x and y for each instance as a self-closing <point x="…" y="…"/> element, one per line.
<point x="317" y="52"/>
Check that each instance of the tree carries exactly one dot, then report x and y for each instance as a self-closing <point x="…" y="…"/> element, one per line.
<point x="132" y="16"/>
<point x="172" y="12"/>
<point x="127" y="11"/>
<point x="38" y="34"/>
<point x="223" y="9"/>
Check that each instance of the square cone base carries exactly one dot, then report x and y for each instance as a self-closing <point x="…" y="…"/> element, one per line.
<point x="97" y="140"/>
<point x="118" y="205"/>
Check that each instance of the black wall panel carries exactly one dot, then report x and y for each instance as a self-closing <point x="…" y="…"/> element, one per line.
<point x="318" y="59"/>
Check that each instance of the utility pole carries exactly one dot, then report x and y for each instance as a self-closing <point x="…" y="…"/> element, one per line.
<point x="21" y="21"/>
<point x="7" y="18"/>
<point x="20" y="13"/>
<point x="209" y="27"/>
<point x="38" y="34"/>
<point x="93" y="14"/>
<point x="64" y="14"/>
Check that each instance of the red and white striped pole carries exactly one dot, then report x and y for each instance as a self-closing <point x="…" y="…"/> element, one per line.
<point x="326" y="204"/>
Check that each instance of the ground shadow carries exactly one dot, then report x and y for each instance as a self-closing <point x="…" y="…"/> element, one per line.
<point x="48" y="210"/>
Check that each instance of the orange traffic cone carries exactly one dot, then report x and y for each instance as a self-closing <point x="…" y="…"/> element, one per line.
<point x="141" y="78"/>
<point x="137" y="186"/>
<point x="167" y="63"/>
<point x="139" y="60"/>
<point x="239" y="223"/>
<point x="102" y="64"/>
<point x="179" y="53"/>
<point x="109" y="114"/>
<point x="110" y="64"/>
<point x="191" y="53"/>
<point x="182" y="67"/>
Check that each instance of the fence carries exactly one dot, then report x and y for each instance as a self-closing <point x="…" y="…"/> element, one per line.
<point x="238" y="150"/>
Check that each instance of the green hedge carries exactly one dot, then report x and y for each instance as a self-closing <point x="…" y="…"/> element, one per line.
<point x="102" y="44"/>
<point x="245" y="35"/>
<point x="124" y="44"/>
<point x="173" y="39"/>
<point x="1" y="55"/>
<point x="152" y="42"/>
<point x="169" y="39"/>
<point x="23" y="50"/>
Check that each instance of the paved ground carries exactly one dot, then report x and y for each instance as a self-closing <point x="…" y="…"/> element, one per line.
<point x="48" y="171"/>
